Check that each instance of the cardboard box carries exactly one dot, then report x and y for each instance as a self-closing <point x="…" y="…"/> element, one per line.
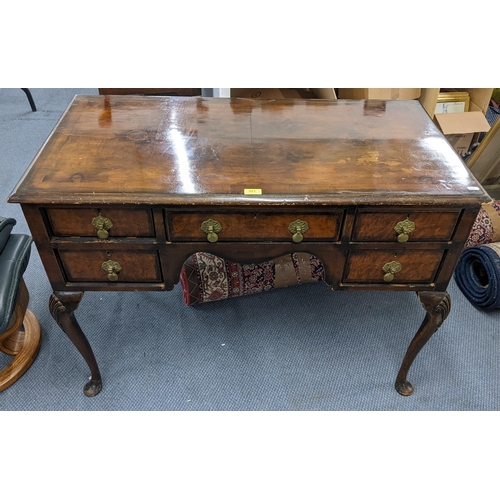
<point x="459" y="128"/>
<point x="428" y="99"/>
<point x="173" y="92"/>
<point x="479" y="99"/>
<point x="324" y="93"/>
<point x="284" y="93"/>
<point x="384" y="94"/>
<point x="257" y="93"/>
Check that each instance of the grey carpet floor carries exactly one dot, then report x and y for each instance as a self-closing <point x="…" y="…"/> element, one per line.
<point x="302" y="348"/>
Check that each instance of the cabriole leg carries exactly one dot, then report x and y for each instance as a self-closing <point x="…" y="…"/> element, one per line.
<point x="62" y="306"/>
<point x="438" y="306"/>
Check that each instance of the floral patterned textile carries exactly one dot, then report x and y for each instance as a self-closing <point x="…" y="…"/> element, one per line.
<point x="486" y="227"/>
<point x="206" y="277"/>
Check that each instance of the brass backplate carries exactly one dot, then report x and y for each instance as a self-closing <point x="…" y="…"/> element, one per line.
<point x="404" y="228"/>
<point x="112" y="268"/>
<point x="211" y="227"/>
<point x="103" y="225"/>
<point x="390" y="269"/>
<point x="298" y="228"/>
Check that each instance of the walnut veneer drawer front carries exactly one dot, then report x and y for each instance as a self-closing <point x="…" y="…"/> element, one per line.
<point x="101" y="223"/>
<point x="120" y="266"/>
<point x="389" y="266"/>
<point x="293" y="227"/>
<point x="405" y="226"/>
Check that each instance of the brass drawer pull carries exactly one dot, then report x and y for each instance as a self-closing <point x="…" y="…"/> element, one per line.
<point x="298" y="228"/>
<point x="103" y="225"/>
<point x="404" y="228"/>
<point x="112" y="268"/>
<point x="390" y="269"/>
<point x="211" y="227"/>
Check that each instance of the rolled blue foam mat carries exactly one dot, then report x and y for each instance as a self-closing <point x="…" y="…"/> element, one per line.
<point x="478" y="275"/>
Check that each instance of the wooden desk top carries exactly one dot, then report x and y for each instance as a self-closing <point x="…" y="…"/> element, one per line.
<point x="178" y="150"/>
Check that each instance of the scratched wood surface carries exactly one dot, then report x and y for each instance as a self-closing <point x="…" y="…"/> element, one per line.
<point x="180" y="149"/>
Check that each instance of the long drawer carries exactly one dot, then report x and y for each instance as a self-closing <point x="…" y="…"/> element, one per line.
<point x="253" y="226"/>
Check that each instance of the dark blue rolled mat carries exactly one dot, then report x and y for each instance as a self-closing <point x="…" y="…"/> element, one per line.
<point x="478" y="275"/>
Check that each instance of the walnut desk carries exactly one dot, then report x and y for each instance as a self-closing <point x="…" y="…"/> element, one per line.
<point x="127" y="187"/>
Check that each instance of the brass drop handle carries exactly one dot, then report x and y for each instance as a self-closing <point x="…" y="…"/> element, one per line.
<point x="404" y="228"/>
<point x="103" y="225"/>
<point x="390" y="269"/>
<point x="298" y="228"/>
<point x="211" y="227"/>
<point x="112" y="268"/>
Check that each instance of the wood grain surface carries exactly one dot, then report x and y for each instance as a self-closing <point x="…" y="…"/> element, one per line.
<point x="175" y="150"/>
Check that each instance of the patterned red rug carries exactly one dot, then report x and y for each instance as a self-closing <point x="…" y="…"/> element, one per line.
<point x="486" y="228"/>
<point x="206" y="277"/>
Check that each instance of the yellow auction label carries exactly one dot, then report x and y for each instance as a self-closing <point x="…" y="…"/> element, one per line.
<point x="252" y="191"/>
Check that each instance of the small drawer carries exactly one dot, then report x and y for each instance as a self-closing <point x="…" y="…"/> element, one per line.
<point x="117" y="266"/>
<point x="408" y="226"/>
<point x="392" y="266"/>
<point x="254" y="226"/>
<point x="113" y="222"/>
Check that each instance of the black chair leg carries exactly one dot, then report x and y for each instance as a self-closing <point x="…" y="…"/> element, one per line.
<point x="30" y="99"/>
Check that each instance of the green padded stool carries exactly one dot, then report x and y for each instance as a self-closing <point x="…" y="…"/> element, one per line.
<point x="19" y="328"/>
